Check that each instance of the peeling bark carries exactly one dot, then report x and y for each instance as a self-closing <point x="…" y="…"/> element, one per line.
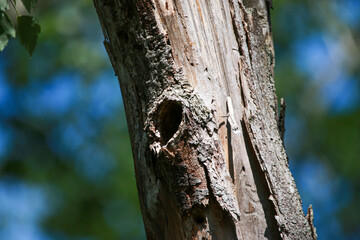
<point x="197" y="82"/>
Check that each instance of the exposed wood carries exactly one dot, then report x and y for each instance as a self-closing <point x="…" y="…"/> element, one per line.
<point x="197" y="82"/>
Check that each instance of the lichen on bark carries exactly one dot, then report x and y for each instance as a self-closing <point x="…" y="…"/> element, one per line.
<point x="201" y="173"/>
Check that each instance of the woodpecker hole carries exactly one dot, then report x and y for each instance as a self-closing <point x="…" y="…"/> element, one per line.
<point x="168" y="119"/>
<point x="199" y="219"/>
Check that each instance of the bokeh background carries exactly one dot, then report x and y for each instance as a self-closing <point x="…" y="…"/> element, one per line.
<point x="66" y="169"/>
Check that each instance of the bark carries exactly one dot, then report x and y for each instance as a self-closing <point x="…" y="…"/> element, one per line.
<point x="196" y="78"/>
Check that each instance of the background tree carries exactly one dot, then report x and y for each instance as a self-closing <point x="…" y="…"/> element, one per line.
<point x="51" y="127"/>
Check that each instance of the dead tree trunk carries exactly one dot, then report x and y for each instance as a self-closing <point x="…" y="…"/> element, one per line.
<point x="197" y="81"/>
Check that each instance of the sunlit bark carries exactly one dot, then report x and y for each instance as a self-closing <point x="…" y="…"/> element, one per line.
<point x="197" y="82"/>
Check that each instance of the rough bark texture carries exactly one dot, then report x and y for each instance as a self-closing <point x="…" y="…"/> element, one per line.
<point x="197" y="81"/>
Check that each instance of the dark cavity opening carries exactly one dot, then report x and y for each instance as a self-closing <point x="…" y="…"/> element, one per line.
<point x="199" y="219"/>
<point x="168" y="120"/>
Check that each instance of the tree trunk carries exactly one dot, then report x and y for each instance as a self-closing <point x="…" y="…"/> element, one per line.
<point x="197" y="82"/>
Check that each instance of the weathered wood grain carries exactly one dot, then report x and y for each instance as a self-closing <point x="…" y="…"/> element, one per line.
<point x="198" y="89"/>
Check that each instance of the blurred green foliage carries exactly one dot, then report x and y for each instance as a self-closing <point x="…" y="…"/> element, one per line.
<point x="66" y="169"/>
<point x="65" y="132"/>
<point x="317" y="47"/>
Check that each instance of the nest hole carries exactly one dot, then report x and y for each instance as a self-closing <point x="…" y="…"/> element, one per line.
<point x="168" y="120"/>
<point x="199" y="219"/>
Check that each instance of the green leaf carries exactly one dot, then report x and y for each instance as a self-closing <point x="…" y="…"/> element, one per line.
<point x="3" y="5"/>
<point x="29" y="4"/>
<point x="28" y="32"/>
<point x="7" y="30"/>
